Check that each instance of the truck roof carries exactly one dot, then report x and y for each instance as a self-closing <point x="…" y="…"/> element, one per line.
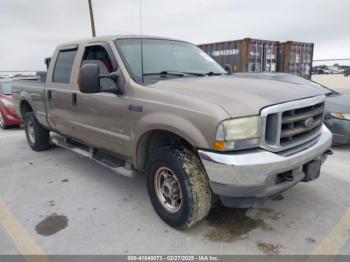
<point x="114" y="37"/>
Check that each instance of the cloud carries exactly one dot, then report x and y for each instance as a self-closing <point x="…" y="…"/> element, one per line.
<point x="30" y="30"/>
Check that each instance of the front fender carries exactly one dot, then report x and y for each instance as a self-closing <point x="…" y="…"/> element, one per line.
<point x="171" y="123"/>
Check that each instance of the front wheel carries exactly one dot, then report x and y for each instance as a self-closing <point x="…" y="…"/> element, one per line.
<point x="178" y="187"/>
<point x="38" y="137"/>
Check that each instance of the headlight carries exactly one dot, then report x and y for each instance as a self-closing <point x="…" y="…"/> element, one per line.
<point x="238" y="133"/>
<point x="7" y="103"/>
<point x="343" y="116"/>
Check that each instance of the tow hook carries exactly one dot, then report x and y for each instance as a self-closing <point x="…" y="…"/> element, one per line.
<point x="328" y="152"/>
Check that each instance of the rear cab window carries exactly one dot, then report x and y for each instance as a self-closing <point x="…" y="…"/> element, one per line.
<point x="63" y="67"/>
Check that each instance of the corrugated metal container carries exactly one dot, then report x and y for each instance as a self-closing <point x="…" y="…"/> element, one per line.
<point x="296" y="58"/>
<point x="245" y="55"/>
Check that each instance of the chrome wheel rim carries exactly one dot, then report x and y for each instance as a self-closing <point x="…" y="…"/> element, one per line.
<point x="168" y="189"/>
<point x="31" y="132"/>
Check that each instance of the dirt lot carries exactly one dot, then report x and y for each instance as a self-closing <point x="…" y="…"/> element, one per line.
<point x="56" y="202"/>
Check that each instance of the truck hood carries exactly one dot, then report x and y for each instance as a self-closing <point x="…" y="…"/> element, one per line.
<point x="245" y="93"/>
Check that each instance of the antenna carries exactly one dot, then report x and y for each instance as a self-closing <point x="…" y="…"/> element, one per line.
<point x="141" y="44"/>
<point x="140" y="18"/>
<point x="92" y="19"/>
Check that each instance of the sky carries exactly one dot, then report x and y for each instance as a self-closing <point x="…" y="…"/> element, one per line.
<point x="30" y="30"/>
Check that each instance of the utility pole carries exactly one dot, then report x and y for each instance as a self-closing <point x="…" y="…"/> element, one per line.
<point x="92" y="19"/>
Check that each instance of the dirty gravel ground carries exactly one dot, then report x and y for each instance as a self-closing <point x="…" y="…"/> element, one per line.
<point x="71" y="205"/>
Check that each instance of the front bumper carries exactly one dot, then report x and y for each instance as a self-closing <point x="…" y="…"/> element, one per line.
<point x="340" y="129"/>
<point x="255" y="173"/>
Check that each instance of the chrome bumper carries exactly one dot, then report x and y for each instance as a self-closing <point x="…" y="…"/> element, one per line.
<point x="253" y="173"/>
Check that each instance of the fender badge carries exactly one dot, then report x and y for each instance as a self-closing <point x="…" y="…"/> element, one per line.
<point x="135" y="108"/>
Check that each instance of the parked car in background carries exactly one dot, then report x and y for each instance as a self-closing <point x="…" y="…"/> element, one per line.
<point x="335" y="70"/>
<point x="337" y="117"/>
<point x="8" y="116"/>
<point x="347" y="72"/>
<point x="323" y="71"/>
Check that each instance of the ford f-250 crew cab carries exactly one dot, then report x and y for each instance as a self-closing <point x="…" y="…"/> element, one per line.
<point x="164" y="108"/>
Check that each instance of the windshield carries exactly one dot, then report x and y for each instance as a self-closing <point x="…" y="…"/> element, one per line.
<point x="165" y="57"/>
<point x="6" y="88"/>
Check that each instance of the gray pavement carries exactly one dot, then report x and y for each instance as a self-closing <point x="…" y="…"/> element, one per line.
<point x="98" y="212"/>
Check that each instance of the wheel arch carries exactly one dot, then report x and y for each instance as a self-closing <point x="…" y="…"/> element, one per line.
<point x="154" y="139"/>
<point x="25" y="107"/>
<point x="166" y="127"/>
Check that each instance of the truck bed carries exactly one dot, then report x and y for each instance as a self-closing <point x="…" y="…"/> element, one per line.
<point x="32" y="91"/>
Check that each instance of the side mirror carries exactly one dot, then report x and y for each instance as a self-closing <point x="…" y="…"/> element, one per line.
<point x="88" y="80"/>
<point x="115" y="77"/>
<point x="228" y="69"/>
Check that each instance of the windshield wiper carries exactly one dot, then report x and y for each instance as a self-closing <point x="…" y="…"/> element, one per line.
<point x="193" y="73"/>
<point x="174" y="73"/>
<point x="164" y="73"/>
<point x="211" y="73"/>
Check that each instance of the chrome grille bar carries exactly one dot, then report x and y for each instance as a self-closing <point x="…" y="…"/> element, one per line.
<point x="291" y="124"/>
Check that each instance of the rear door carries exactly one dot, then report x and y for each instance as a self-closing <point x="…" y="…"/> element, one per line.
<point x="59" y="90"/>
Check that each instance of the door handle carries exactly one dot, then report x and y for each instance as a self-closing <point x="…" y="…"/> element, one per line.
<point x="49" y="95"/>
<point x="74" y="99"/>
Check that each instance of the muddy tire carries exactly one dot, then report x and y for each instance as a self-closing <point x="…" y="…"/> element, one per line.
<point x="177" y="171"/>
<point x="38" y="137"/>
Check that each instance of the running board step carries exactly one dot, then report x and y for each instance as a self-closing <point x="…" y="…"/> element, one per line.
<point x="118" y="166"/>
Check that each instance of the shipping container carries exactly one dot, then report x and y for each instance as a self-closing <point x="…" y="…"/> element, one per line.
<point x="245" y="55"/>
<point x="296" y="58"/>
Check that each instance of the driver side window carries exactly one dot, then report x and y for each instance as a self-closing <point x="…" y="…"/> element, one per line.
<point x="98" y="55"/>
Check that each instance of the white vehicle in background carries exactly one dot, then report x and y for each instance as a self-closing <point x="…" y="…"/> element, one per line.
<point x="335" y="70"/>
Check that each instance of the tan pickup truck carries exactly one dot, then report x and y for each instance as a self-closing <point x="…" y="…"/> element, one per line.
<point x="163" y="108"/>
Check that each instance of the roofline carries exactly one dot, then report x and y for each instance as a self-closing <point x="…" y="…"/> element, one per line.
<point x="115" y="37"/>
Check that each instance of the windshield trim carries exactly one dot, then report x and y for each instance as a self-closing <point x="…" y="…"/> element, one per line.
<point x="130" y="72"/>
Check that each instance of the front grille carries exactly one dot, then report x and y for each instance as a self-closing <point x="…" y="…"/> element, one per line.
<point x="292" y="124"/>
<point x="301" y="123"/>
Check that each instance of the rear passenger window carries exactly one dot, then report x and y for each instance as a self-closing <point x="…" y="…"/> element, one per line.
<point x="63" y="67"/>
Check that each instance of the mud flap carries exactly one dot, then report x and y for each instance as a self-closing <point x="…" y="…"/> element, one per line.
<point x="312" y="170"/>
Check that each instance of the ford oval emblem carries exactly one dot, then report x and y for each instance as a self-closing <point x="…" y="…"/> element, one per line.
<point x="309" y="122"/>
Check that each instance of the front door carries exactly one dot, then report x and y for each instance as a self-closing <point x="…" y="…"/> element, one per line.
<point x="99" y="119"/>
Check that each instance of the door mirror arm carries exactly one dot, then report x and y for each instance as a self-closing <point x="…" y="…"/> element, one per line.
<point x="114" y="76"/>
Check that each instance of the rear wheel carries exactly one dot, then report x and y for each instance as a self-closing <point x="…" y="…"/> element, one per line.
<point x="178" y="187"/>
<point x="38" y="137"/>
<point x="2" y="121"/>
